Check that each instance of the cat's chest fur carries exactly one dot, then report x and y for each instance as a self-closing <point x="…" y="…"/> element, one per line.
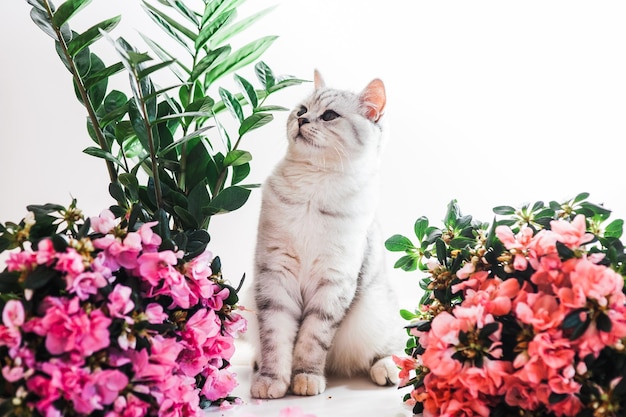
<point x="318" y="217"/>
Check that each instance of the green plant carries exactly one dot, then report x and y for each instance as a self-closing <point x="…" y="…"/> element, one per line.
<point x="164" y="131"/>
<point x="544" y="280"/>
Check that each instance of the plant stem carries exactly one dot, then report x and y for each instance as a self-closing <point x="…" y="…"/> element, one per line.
<point x="84" y="96"/>
<point x="153" y="155"/>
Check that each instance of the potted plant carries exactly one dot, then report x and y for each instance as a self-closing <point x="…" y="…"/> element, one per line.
<point x="524" y="317"/>
<point x="127" y="312"/>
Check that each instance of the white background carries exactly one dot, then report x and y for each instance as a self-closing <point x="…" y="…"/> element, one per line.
<point x="489" y="102"/>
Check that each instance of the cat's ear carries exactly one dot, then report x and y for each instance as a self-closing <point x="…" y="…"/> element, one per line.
<point x="374" y="99"/>
<point x="318" y="81"/>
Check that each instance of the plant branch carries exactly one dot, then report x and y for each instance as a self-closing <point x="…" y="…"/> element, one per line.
<point x="83" y="94"/>
<point x="153" y="156"/>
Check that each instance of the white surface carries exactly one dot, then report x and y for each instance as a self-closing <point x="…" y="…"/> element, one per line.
<point x="344" y="397"/>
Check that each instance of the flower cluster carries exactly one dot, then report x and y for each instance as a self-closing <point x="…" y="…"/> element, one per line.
<point x="527" y="317"/>
<point x="108" y="318"/>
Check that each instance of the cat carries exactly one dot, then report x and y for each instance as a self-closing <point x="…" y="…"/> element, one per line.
<point x="323" y="301"/>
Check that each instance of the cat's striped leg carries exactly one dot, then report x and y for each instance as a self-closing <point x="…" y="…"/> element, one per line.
<point x="278" y="317"/>
<point x="321" y="319"/>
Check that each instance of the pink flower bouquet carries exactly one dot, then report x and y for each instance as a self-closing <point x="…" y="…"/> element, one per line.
<point x="105" y="317"/>
<point x="523" y="318"/>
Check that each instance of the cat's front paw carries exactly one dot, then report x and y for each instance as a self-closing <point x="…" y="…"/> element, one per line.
<point x="265" y="387"/>
<point x="384" y="372"/>
<point x="308" y="384"/>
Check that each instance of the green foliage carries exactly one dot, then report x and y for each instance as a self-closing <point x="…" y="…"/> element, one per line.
<point x="194" y="170"/>
<point x="463" y="240"/>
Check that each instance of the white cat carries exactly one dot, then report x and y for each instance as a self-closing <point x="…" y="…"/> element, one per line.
<point x="322" y="298"/>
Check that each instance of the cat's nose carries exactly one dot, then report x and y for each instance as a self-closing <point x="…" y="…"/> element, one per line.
<point x="302" y="121"/>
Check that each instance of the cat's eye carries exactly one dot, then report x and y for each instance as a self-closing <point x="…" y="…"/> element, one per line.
<point x="329" y="115"/>
<point x="301" y="111"/>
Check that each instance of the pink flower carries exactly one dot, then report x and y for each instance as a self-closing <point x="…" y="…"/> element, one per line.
<point x="597" y="282"/>
<point x="21" y="261"/>
<point x="120" y="303"/>
<point x="70" y="262"/>
<point x="150" y="240"/>
<point x="540" y="310"/>
<point x="129" y="406"/>
<point x="67" y="327"/>
<point x="293" y="412"/>
<point x="219" y="383"/>
<point x="518" y="244"/>
<point x="572" y="234"/>
<point x="199" y="268"/>
<point x="200" y="327"/>
<point x="406" y="365"/>
<point x="155" y="266"/>
<point x="45" y="252"/>
<point x="235" y="324"/>
<point x="177" y="397"/>
<point x="13" y="314"/>
<point x="554" y="350"/>
<point x="104" y="223"/>
<point x="155" y="314"/>
<point x="108" y="384"/>
<point x="121" y="253"/>
<point x="85" y="284"/>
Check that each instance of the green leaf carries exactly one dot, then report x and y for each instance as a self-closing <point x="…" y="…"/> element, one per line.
<point x="153" y="11"/>
<point x="209" y="30"/>
<point x="248" y="90"/>
<point x="67" y="10"/>
<point x="407" y="315"/>
<point x="98" y="90"/>
<point x="101" y="75"/>
<point x="211" y="58"/>
<point x="237" y="157"/>
<point x="138" y="124"/>
<point x="99" y="153"/>
<point x="217" y="7"/>
<point x="149" y="70"/>
<point x="399" y="243"/>
<point x="187" y="219"/>
<point x="254" y="121"/>
<point x="42" y="20"/>
<point x="232" y="104"/>
<point x="167" y="28"/>
<point x="240" y="173"/>
<point x="442" y="251"/>
<point x="185" y="11"/>
<point x="131" y="184"/>
<point x="40" y="277"/>
<point x="166" y="56"/>
<point x="603" y="323"/>
<point x="407" y="263"/>
<point x="240" y="58"/>
<point x="226" y="33"/>
<point x="229" y="199"/>
<point x="270" y="108"/>
<point x="421" y="224"/>
<point x="183" y="140"/>
<point x="614" y="229"/>
<point x="197" y="199"/>
<point x="504" y="210"/>
<point x="286" y="83"/>
<point x="265" y="74"/>
<point x="580" y="197"/>
<point x="91" y="35"/>
<point x="39" y="4"/>
<point x="462" y="242"/>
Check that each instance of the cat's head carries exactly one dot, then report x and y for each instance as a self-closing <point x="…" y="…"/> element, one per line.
<point x="333" y="127"/>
